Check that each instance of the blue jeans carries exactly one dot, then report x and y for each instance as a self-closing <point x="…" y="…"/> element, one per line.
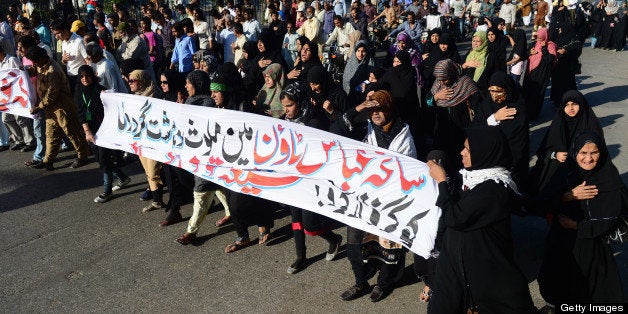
<point x="459" y="27"/>
<point x="107" y="177"/>
<point x="4" y="134"/>
<point x="39" y="130"/>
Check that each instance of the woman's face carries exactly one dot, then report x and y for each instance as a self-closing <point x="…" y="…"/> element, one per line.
<point x="190" y="88"/>
<point x="425" y="3"/>
<point x="196" y="64"/>
<point x="204" y="67"/>
<point x="306" y="53"/>
<point x="372" y="78"/>
<point x="360" y="53"/>
<point x="378" y="117"/>
<point x="476" y="42"/>
<point x="466" y="155"/>
<point x="134" y="85"/>
<point x="572" y="109"/>
<point x="401" y="45"/>
<point x="498" y="94"/>
<point x="163" y="82"/>
<point x="290" y="108"/>
<point x="260" y="46"/>
<point x="218" y="97"/>
<point x="588" y="156"/>
<point x="434" y="38"/>
<point x="491" y="36"/>
<point x="143" y="26"/>
<point x="443" y="47"/>
<point x="268" y="81"/>
<point x="86" y="79"/>
<point x="299" y="47"/>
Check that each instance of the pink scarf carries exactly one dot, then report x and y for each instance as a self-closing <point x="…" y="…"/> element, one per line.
<point x="541" y="37"/>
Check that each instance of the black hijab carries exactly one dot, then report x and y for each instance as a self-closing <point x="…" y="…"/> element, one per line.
<point x="174" y="84"/>
<point x="488" y="148"/>
<point x="401" y="78"/>
<point x="564" y="33"/>
<point x="436" y="54"/>
<point x="429" y="45"/>
<point x="612" y="198"/>
<point x="497" y="48"/>
<point x="521" y="45"/>
<point x="564" y="128"/>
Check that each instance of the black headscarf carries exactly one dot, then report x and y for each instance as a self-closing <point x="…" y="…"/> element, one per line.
<point x="497" y="48"/>
<point x="174" y="84"/>
<point x="612" y="197"/>
<point x="563" y="33"/>
<point x="405" y="67"/>
<point x="429" y="45"/>
<point x="521" y="45"/>
<point x="564" y="128"/>
<point x="250" y="47"/>
<point x="488" y="148"/>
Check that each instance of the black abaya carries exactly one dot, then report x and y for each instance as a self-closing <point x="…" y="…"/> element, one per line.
<point x="579" y="265"/>
<point x="535" y="84"/>
<point x="567" y="64"/>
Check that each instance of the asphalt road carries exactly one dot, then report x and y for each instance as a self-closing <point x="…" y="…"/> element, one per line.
<point x="60" y="252"/>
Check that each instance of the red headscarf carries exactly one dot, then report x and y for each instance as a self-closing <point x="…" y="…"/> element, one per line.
<point x="541" y="37"/>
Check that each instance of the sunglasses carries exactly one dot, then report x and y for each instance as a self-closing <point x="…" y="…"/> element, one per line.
<point x="132" y="81"/>
<point x="164" y="82"/>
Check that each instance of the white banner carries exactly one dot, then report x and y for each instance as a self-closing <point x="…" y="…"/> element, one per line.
<point x="366" y="187"/>
<point x="16" y="92"/>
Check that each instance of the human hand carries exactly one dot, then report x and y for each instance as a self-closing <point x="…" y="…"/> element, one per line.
<point x="89" y="137"/>
<point x="328" y="107"/>
<point x="561" y="51"/>
<point x="561" y="156"/>
<point x="505" y="113"/>
<point x="293" y="74"/>
<point x="263" y="63"/>
<point x="584" y="192"/>
<point x="65" y="57"/>
<point x="436" y="171"/>
<point x="445" y="93"/>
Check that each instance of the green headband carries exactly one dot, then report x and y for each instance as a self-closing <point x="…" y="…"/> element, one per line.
<point x="219" y="87"/>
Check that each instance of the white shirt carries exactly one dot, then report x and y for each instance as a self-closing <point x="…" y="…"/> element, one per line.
<point x="202" y="30"/>
<point x="251" y="29"/>
<point x="342" y="36"/>
<point x="110" y="76"/>
<point x="432" y="22"/>
<point x="75" y="47"/>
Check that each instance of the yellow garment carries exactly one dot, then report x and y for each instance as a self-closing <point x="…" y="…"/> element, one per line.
<point x="479" y="55"/>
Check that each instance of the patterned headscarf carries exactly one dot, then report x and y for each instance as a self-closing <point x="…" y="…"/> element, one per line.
<point x="462" y="85"/>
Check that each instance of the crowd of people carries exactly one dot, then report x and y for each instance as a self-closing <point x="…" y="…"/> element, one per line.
<point x="466" y="115"/>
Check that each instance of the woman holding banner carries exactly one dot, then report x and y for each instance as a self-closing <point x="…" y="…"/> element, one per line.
<point x="476" y="271"/>
<point x="298" y="109"/>
<point x="385" y="130"/>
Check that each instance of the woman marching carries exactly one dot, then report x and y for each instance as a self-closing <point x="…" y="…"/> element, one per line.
<point x="541" y="61"/>
<point x="476" y="271"/>
<point x="579" y="265"/>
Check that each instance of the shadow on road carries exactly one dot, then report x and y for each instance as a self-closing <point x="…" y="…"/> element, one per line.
<point x="609" y="94"/>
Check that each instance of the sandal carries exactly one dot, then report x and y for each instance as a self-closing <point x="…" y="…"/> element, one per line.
<point x="425" y="294"/>
<point x="264" y="236"/>
<point x="237" y="245"/>
<point x="30" y="163"/>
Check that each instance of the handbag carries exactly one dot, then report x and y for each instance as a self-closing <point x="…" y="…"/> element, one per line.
<point x="619" y="233"/>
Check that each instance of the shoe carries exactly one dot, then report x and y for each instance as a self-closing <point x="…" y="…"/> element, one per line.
<point x="28" y="148"/>
<point x="146" y="195"/>
<point x="102" y="198"/>
<point x="152" y="206"/>
<point x="17" y="146"/>
<point x="121" y="185"/>
<point x="31" y="163"/>
<point x="4" y="147"/>
<point x="377" y="294"/>
<point x="171" y="220"/>
<point x="355" y="292"/>
<point x="297" y="266"/>
<point x="43" y="165"/>
<point x="65" y="149"/>
<point x="186" y="238"/>
<point x="223" y="221"/>
<point x="264" y="236"/>
<point x="333" y="249"/>
<point x="78" y="163"/>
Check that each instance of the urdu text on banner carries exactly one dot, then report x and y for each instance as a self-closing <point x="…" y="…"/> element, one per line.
<point x="366" y="187"/>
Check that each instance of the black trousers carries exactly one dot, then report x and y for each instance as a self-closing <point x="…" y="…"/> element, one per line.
<point x="180" y="185"/>
<point x="389" y="274"/>
<point x="247" y="210"/>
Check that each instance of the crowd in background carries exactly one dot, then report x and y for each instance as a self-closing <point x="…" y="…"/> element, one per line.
<point x="401" y="84"/>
